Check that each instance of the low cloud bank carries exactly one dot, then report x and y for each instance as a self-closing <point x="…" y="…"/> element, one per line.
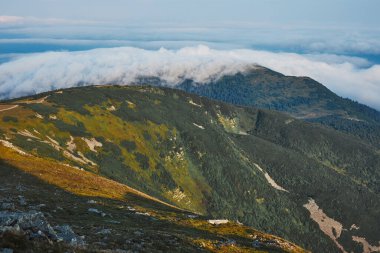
<point x="346" y="76"/>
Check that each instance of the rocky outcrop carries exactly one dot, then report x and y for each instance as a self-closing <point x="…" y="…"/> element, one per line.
<point x="34" y="225"/>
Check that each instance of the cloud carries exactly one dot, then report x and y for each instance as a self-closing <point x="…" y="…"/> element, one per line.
<point x="10" y="19"/>
<point x="288" y="38"/>
<point x="347" y="76"/>
<point x="28" y="21"/>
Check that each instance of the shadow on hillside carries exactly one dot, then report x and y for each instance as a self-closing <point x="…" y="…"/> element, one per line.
<point x="62" y="207"/>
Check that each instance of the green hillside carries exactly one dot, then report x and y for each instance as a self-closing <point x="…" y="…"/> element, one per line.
<point x="300" y="97"/>
<point x="261" y="168"/>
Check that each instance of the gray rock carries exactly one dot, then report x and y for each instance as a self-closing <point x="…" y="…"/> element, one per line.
<point x="66" y="234"/>
<point x="6" y="250"/>
<point x="91" y="202"/>
<point x="21" y="200"/>
<point x="114" y="221"/>
<point x="138" y="233"/>
<point x="105" y="231"/>
<point x="30" y="222"/>
<point x="94" y="210"/>
<point x="7" y="206"/>
<point x="26" y="221"/>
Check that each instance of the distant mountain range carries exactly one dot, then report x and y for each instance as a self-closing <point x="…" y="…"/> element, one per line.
<point x="305" y="182"/>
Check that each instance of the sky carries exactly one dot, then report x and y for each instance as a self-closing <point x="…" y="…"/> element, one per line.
<point x="296" y="37"/>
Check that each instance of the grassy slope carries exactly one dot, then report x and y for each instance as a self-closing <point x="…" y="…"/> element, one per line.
<point x="168" y="144"/>
<point x="66" y="191"/>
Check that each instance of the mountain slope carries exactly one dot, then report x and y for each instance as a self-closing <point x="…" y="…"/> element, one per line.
<point x="132" y="220"/>
<point x="301" y="97"/>
<point x="265" y="169"/>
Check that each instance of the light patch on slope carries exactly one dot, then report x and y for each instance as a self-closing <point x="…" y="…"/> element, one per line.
<point x="88" y="161"/>
<point x="178" y="195"/>
<point x="6" y="108"/>
<point x="288" y="121"/>
<point x="74" y="167"/>
<point x="353" y="226"/>
<point x="218" y="222"/>
<point x="92" y="144"/>
<point x="193" y="103"/>
<point x="35" y="101"/>
<point x="329" y="226"/>
<point x="367" y="248"/>
<point x="39" y="116"/>
<point x="82" y="159"/>
<point x="71" y="146"/>
<point x="112" y="108"/>
<point x="273" y="183"/>
<point x="26" y="133"/>
<point x="270" y="180"/>
<point x="10" y="145"/>
<point x="131" y="105"/>
<point x="67" y="154"/>
<point x="199" y="126"/>
<point x="53" y="143"/>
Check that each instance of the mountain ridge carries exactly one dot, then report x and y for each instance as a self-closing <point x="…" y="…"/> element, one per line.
<point x="166" y="143"/>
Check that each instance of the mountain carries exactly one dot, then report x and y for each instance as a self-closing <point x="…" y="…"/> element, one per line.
<point x="309" y="184"/>
<point x="45" y="201"/>
<point x="300" y="97"/>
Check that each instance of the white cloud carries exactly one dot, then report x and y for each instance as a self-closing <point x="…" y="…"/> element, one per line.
<point x="46" y="71"/>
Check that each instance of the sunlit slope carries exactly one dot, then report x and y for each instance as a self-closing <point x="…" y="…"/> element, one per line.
<point x="257" y="167"/>
<point x="67" y="193"/>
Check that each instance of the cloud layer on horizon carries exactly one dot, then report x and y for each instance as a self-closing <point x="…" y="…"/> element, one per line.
<point x="23" y="31"/>
<point x="347" y="76"/>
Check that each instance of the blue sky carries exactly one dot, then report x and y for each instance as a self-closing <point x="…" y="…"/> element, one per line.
<point x="336" y="36"/>
<point x="345" y="13"/>
<point x="335" y="26"/>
